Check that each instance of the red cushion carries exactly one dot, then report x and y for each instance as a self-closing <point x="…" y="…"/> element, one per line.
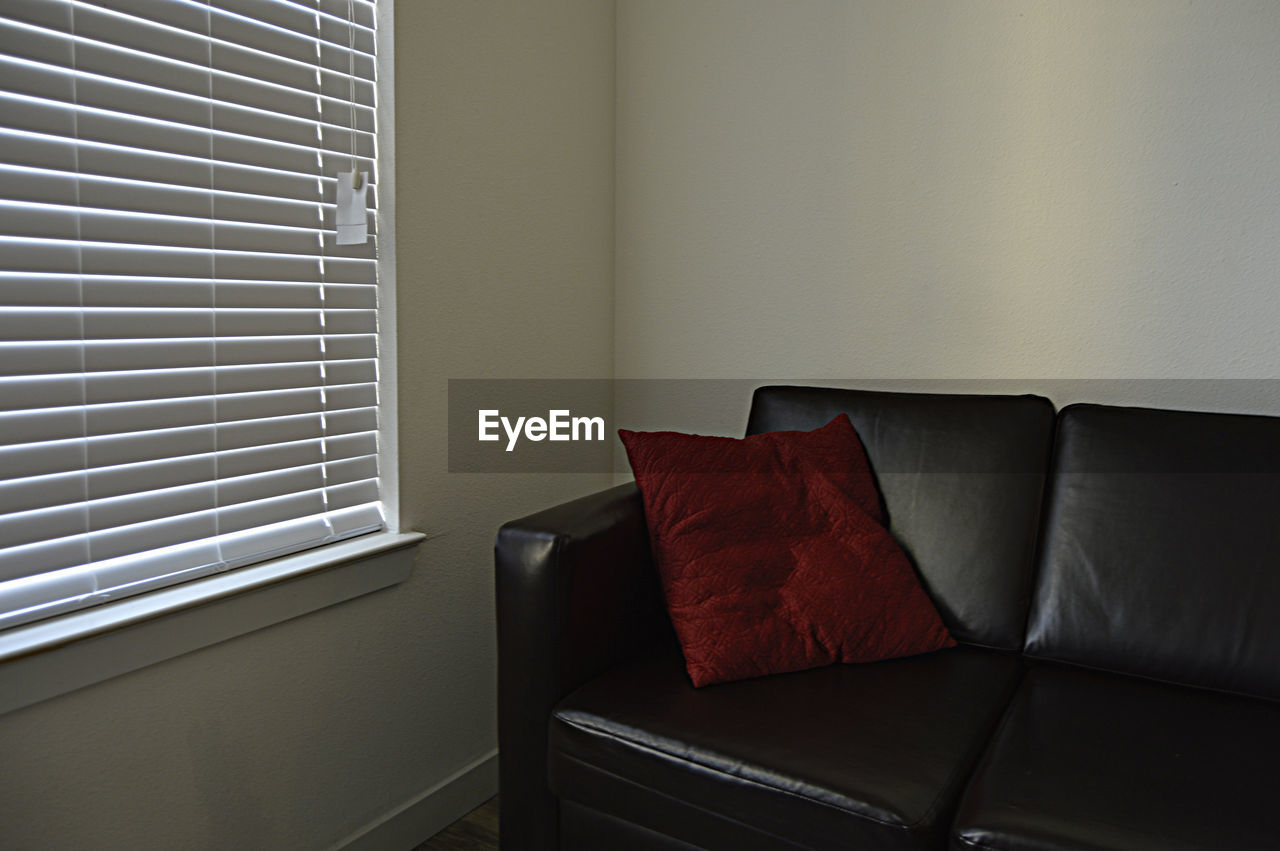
<point x="772" y="554"/>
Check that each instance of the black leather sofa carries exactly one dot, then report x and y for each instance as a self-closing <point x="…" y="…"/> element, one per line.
<point x="1113" y="578"/>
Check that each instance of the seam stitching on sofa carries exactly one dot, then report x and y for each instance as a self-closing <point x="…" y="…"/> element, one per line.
<point x="1050" y="661"/>
<point x="1036" y="556"/>
<point x="984" y="755"/>
<point x="558" y="546"/>
<point x="652" y="750"/>
<point x="974" y="757"/>
<point x="662" y="794"/>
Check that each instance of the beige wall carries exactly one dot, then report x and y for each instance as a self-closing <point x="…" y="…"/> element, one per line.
<point x="505" y="198"/>
<point x="997" y="189"/>
<point x="300" y="734"/>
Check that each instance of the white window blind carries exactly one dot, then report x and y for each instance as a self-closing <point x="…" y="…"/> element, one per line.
<point x="188" y="361"/>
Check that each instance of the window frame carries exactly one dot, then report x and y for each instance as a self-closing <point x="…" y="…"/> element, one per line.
<point x="60" y="654"/>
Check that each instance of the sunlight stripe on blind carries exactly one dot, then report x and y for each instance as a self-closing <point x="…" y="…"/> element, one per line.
<point x="188" y="361"/>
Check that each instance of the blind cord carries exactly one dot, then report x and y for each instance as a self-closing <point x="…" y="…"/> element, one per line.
<point x="351" y="82"/>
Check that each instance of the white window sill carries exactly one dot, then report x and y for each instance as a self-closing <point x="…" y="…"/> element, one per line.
<point x="62" y="654"/>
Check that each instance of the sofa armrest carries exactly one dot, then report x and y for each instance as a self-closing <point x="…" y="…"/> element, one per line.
<point x="576" y="594"/>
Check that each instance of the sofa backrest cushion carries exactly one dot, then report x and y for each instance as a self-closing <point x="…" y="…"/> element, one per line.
<point x="1161" y="548"/>
<point x="961" y="477"/>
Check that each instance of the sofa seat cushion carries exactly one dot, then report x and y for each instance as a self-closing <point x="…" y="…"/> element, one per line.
<point x="1103" y="761"/>
<point x="835" y="757"/>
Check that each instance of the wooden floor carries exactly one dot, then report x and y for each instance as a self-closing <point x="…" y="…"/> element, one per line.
<point x="478" y="829"/>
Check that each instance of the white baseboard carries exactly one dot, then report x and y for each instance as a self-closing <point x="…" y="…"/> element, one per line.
<point x="425" y="815"/>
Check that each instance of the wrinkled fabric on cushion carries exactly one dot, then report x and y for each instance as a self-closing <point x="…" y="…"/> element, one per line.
<point x="772" y="555"/>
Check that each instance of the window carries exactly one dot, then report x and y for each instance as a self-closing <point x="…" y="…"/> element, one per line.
<point x="188" y="360"/>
